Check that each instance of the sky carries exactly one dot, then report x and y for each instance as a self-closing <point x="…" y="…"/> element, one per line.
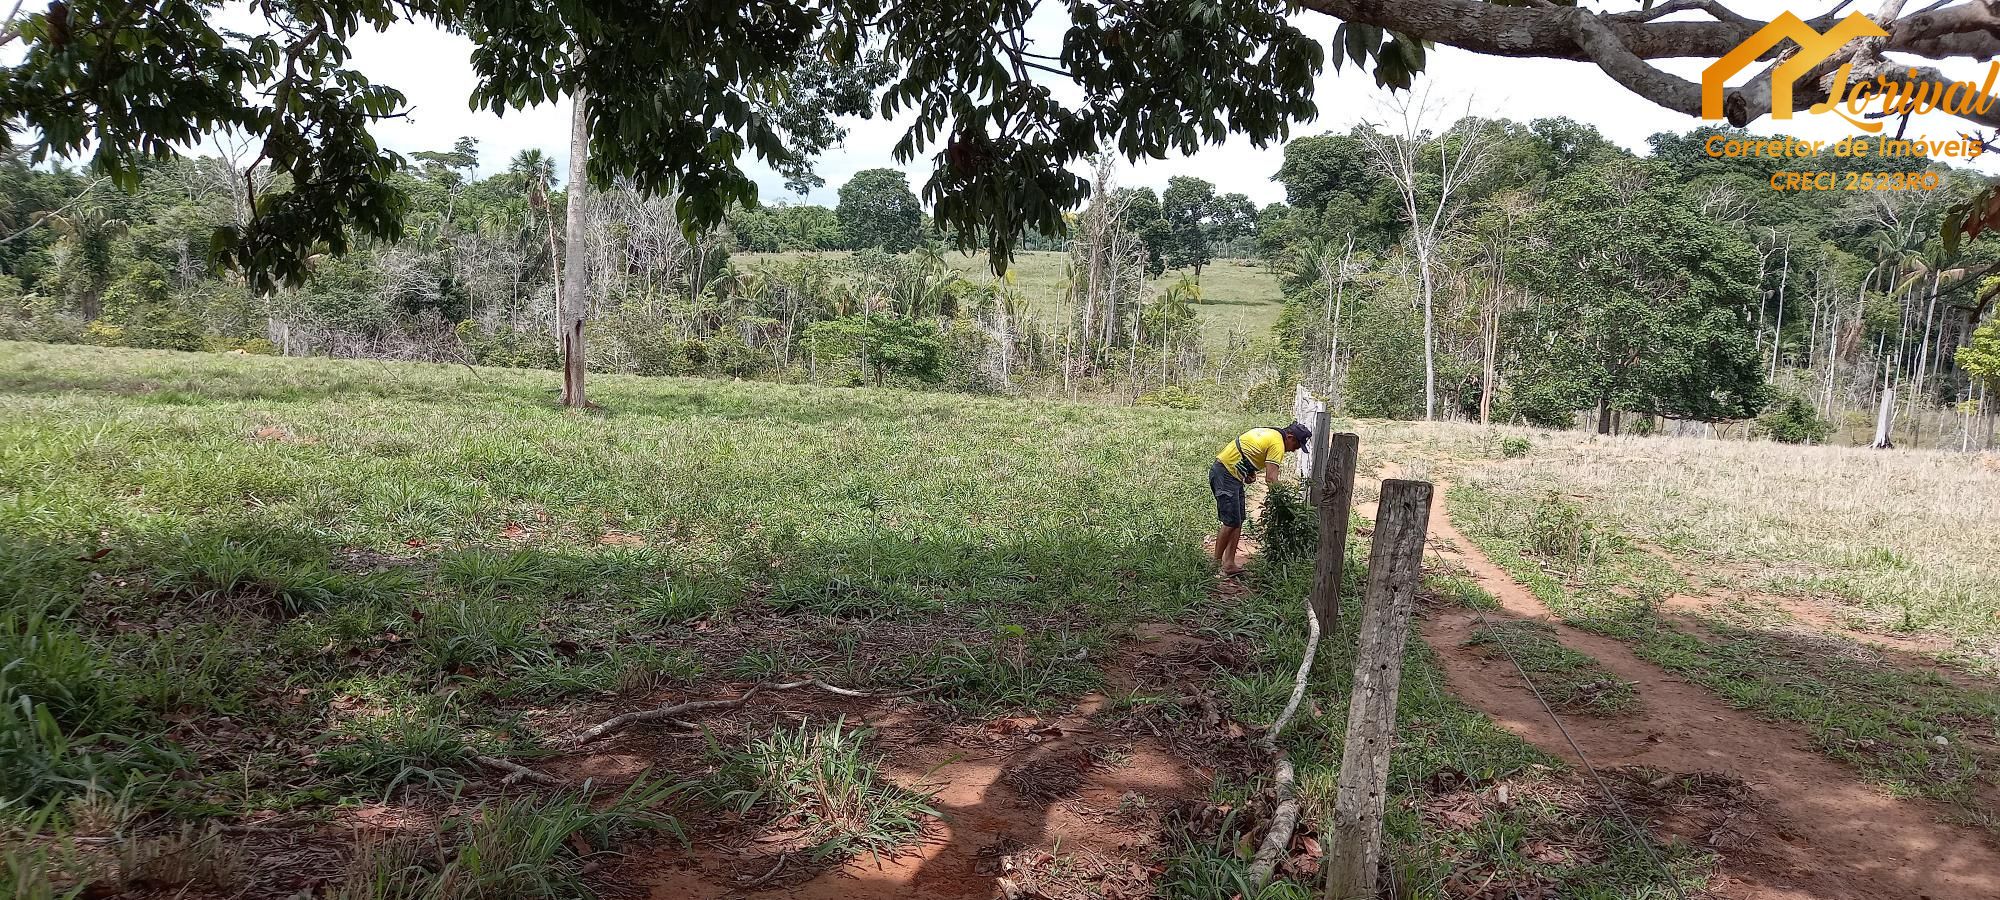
<point x="432" y="69"/>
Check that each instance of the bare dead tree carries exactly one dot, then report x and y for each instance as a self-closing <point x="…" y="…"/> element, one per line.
<point x="1108" y="272"/>
<point x="1406" y="154"/>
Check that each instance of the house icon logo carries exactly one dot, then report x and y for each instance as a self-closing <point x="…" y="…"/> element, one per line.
<point x="1814" y="48"/>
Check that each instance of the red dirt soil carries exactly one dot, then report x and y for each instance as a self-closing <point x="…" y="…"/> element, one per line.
<point x="1831" y="836"/>
<point x="991" y="830"/>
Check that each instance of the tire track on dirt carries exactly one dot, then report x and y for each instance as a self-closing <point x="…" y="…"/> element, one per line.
<point x="1835" y="837"/>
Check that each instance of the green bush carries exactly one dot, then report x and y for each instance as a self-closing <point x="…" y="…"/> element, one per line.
<point x="1560" y="529"/>
<point x="1272" y="395"/>
<point x="1515" y="446"/>
<point x="1288" y="529"/>
<point x="1793" y="420"/>
<point x="504" y="346"/>
<point x="1385" y="371"/>
<point x="1172" y="396"/>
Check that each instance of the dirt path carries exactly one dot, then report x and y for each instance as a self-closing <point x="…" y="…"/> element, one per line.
<point x="1021" y="799"/>
<point x="1829" y="835"/>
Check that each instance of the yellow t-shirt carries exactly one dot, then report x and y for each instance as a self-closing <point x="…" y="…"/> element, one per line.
<point x="1264" y="445"/>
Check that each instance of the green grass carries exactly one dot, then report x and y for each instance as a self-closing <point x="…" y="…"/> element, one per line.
<point x="189" y="537"/>
<point x="1239" y="298"/>
<point x="520" y="847"/>
<point x="1570" y="681"/>
<point x="1885" y="720"/>
<point x="823" y="779"/>
<point x="238" y="586"/>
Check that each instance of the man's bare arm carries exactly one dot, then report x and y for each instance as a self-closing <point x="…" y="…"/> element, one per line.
<point x="1270" y="473"/>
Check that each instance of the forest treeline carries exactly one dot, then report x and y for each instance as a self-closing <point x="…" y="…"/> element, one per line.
<point x="1491" y="271"/>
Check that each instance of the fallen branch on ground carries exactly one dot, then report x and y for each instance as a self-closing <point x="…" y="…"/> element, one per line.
<point x="517" y="772"/>
<point x="1285" y="818"/>
<point x="759" y="882"/>
<point x="673" y="712"/>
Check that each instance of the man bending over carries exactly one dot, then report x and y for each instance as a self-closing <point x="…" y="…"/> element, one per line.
<point x="1236" y="465"/>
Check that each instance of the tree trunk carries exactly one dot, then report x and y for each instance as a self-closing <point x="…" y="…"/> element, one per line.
<point x="1985" y="414"/>
<point x="1778" y="326"/>
<point x="1883" y="417"/>
<point x="1604" y="412"/>
<point x="1430" y="349"/>
<point x="574" y="298"/>
<point x="1923" y="370"/>
<point x="1489" y="370"/>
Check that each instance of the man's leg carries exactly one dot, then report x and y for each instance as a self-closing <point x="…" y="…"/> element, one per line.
<point x="1228" y="514"/>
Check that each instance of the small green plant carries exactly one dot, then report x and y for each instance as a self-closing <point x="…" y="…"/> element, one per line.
<point x="822" y="777"/>
<point x="526" y="847"/>
<point x="489" y="573"/>
<point x="671" y="603"/>
<point x="1462" y="591"/>
<point x="411" y="744"/>
<point x="39" y="860"/>
<point x="1288" y="529"/>
<point x="465" y="633"/>
<point x="624" y="667"/>
<point x="1016" y="670"/>
<point x="1514" y="446"/>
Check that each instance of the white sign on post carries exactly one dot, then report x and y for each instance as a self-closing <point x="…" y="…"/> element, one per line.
<point x="1308" y="409"/>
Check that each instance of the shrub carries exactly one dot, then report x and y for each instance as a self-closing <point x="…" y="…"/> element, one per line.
<point x="1385" y="372"/>
<point x="1288" y="529"/>
<point x="1561" y="530"/>
<point x="1515" y="446"/>
<point x="1172" y="396"/>
<point x="1272" y="395"/>
<point x="504" y="346"/>
<point x="1793" y="420"/>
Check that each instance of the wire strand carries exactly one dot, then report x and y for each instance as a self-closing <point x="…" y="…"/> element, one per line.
<point x="1645" y="839"/>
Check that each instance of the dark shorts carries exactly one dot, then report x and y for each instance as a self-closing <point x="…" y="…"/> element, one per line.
<point x="1228" y="495"/>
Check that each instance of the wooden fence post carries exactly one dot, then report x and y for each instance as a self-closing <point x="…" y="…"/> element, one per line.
<point x="1395" y="566"/>
<point x="1336" y="500"/>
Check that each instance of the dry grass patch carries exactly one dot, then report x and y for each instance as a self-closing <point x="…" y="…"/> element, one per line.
<point x="1907" y="538"/>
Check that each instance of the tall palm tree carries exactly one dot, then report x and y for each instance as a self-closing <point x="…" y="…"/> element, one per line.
<point x="87" y="233"/>
<point x="535" y="172"/>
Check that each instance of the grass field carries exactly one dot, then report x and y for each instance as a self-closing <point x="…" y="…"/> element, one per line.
<point x="314" y="599"/>
<point x="1849" y="591"/>
<point x="1239" y="298"/>
<point x="1903" y="542"/>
